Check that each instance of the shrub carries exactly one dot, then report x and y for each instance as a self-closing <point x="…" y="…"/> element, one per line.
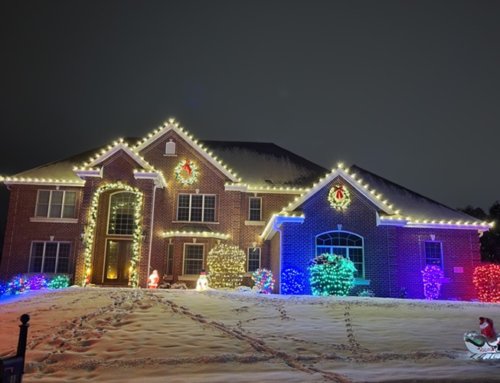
<point x="59" y="282"/>
<point x="486" y="278"/>
<point x="226" y="266"/>
<point x="264" y="281"/>
<point x="292" y="282"/>
<point x="36" y="282"/>
<point x="431" y="277"/>
<point x="366" y="293"/>
<point x="331" y="275"/>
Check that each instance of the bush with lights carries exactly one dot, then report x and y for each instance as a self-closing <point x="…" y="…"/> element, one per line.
<point x="486" y="279"/>
<point x="4" y="290"/>
<point x="59" y="282"/>
<point x="331" y="275"/>
<point x="36" y="282"/>
<point x="17" y="285"/>
<point x="264" y="281"/>
<point x="226" y="266"/>
<point x="292" y="282"/>
<point x="432" y="276"/>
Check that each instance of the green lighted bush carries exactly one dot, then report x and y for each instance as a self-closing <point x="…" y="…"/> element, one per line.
<point x="331" y="275"/>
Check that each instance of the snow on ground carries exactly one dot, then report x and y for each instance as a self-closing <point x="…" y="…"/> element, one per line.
<point x="123" y="335"/>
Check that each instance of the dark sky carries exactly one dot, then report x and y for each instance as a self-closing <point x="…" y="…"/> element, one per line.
<point x="409" y="90"/>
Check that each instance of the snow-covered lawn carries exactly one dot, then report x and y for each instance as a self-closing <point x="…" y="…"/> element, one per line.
<point x="118" y="335"/>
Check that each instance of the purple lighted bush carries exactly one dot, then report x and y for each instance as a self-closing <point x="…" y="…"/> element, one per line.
<point x="432" y="276"/>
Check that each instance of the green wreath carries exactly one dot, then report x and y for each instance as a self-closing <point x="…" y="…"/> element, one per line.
<point x="339" y="197"/>
<point x="186" y="172"/>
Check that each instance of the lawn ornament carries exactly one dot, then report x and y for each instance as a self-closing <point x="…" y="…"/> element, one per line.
<point x="485" y="345"/>
<point x="154" y="278"/>
<point x="202" y="283"/>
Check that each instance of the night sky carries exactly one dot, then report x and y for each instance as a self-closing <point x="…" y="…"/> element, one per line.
<point x="409" y="90"/>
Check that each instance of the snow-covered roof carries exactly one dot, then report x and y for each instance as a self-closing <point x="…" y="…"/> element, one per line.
<point x="408" y="202"/>
<point x="266" y="164"/>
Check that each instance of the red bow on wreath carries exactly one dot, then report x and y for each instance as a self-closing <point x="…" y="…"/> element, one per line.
<point x="186" y="167"/>
<point x="339" y="192"/>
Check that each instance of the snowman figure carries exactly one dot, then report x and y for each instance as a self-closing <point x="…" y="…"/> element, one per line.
<point x="202" y="283"/>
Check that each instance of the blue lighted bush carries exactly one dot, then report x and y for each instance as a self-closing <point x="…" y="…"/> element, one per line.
<point x="292" y="282"/>
<point x="36" y="282"/>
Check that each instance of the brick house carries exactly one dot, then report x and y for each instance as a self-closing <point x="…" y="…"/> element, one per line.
<point x="162" y="202"/>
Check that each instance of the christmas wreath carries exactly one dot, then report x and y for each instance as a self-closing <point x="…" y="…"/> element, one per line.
<point x="339" y="197"/>
<point x="186" y="172"/>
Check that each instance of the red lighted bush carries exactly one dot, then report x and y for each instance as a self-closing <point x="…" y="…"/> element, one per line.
<point x="487" y="281"/>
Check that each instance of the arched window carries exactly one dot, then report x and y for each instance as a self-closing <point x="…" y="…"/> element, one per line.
<point x="121" y="213"/>
<point x="343" y="243"/>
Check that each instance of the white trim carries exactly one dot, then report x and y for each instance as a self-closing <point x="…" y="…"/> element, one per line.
<point x="348" y="178"/>
<point x="255" y="223"/>
<point x="44" y="182"/>
<point x="150" y="176"/>
<point x="115" y="149"/>
<point x="421" y="225"/>
<point x="184" y="258"/>
<point x="195" y="234"/>
<point x="54" y="220"/>
<point x="240" y="188"/>
<point x="276" y="221"/>
<point x="82" y="173"/>
<point x="194" y="144"/>
<point x="151" y="227"/>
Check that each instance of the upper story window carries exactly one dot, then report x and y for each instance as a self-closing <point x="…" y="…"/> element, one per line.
<point x="170" y="148"/>
<point x="346" y="244"/>
<point x="196" y="208"/>
<point x="56" y="204"/>
<point x="121" y="213"/>
<point x="49" y="257"/>
<point x="434" y="253"/>
<point x="255" y="209"/>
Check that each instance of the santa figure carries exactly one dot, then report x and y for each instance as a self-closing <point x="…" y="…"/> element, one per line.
<point x="153" y="280"/>
<point x="202" y="283"/>
<point x="487" y="329"/>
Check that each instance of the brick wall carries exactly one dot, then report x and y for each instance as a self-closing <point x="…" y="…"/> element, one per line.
<point x="394" y="256"/>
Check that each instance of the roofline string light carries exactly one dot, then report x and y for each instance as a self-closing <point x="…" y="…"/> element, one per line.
<point x="398" y="215"/>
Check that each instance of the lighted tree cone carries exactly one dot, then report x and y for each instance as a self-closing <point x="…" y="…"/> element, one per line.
<point x="226" y="266"/>
<point x="331" y="275"/>
<point x="486" y="279"/>
<point x="432" y="276"/>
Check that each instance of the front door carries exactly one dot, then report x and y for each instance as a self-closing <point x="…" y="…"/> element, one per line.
<point x="118" y="256"/>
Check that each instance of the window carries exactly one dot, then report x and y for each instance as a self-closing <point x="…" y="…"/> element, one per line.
<point x="49" y="257"/>
<point x="253" y="259"/>
<point x="56" y="204"/>
<point x="170" y="259"/>
<point x="343" y="243"/>
<point x="196" y="208"/>
<point x="193" y="259"/>
<point x="434" y="254"/>
<point x="121" y="213"/>
<point x="255" y="209"/>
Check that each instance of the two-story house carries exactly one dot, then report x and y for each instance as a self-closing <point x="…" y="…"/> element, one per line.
<point x="114" y="214"/>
